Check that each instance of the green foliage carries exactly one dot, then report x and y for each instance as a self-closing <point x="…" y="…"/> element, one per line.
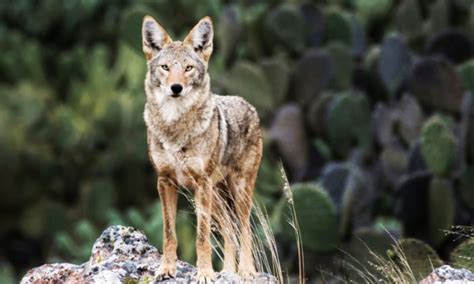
<point x="98" y="196"/>
<point x="75" y="246"/>
<point x="44" y="218"/>
<point x="310" y="203"/>
<point x="463" y="255"/>
<point x="438" y="146"/>
<point x="131" y="26"/>
<point x="7" y="275"/>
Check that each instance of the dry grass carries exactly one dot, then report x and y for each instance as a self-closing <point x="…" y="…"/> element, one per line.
<point x="383" y="269"/>
<point x="294" y="223"/>
<point x="264" y="248"/>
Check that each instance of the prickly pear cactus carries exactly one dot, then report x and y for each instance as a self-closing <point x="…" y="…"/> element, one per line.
<point x="372" y="10"/>
<point x="285" y="27"/>
<point x="341" y="60"/>
<point x="366" y="240"/>
<point x="441" y="208"/>
<point x="466" y="71"/>
<point x="463" y="255"/>
<point x="363" y="246"/>
<point x="229" y="30"/>
<point x="436" y="84"/>
<point x="420" y="258"/>
<point x="467" y="188"/>
<point x="337" y="26"/>
<point x="438" y="146"/>
<point x="439" y="16"/>
<point x="394" y="63"/>
<point x="248" y="80"/>
<point x="348" y="119"/>
<point x="277" y="72"/>
<point x="312" y="204"/>
<point x="313" y="72"/>
<point x="408" y="19"/>
<point x="317" y="111"/>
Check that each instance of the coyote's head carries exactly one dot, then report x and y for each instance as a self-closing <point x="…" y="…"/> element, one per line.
<point x="177" y="71"/>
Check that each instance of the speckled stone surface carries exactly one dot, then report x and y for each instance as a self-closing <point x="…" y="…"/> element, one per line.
<point x="447" y="274"/>
<point x="123" y="255"/>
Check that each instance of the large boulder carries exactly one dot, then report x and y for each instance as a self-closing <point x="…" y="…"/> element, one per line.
<point x="447" y="274"/>
<point x="122" y="255"/>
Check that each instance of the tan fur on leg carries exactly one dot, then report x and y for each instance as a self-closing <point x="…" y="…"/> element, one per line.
<point x="169" y="199"/>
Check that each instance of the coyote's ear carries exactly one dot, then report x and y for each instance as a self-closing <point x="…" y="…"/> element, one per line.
<point x="200" y="38"/>
<point x="154" y="37"/>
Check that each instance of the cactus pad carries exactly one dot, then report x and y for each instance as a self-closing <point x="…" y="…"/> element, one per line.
<point x="441" y="209"/>
<point x="348" y="119"/>
<point x="394" y="63"/>
<point x="463" y="255"/>
<point x="316" y="217"/>
<point x="248" y="80"/>
<point x="419" y="256"/>
<point x="438" y="146"/>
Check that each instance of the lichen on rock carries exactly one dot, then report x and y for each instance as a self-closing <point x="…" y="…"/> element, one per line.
<point x="447" y="274"/>
<point x="123" y="255"/>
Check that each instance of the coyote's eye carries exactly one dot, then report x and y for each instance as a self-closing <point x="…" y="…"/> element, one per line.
<point x="165" y="67"/>
<point x="189" y="68"/>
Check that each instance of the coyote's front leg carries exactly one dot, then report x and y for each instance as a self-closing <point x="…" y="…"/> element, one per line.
<point x="203" y="199"/>
<point x="169" y="199"/>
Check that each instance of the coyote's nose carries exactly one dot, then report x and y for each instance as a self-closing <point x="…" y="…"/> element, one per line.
<point x="176" y="88"/>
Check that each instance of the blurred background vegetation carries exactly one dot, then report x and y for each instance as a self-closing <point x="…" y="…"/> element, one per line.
<point x="368" y="103"/>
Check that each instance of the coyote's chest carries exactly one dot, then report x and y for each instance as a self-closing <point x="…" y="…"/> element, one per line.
<point x="186" y="146"/>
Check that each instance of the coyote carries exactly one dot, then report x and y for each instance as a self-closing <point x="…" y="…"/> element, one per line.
<point x="198" y="140"/>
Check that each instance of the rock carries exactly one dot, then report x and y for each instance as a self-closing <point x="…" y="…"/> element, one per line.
<point x="50" y="273"/>
<point x="447" y="274"/>
<point x="123" y="255"/>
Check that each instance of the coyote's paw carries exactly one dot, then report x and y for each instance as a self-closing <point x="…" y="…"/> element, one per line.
<point x="166" y="271"/>
<point x="205" y="276"/>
